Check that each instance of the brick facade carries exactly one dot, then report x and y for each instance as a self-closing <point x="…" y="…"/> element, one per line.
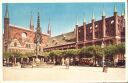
<point x="108" y="30"/>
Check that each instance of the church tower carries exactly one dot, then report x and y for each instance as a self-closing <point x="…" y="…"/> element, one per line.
<point x="6" y="29"/>
<point x="31" y="23"/>
<point x="49" y="28"/>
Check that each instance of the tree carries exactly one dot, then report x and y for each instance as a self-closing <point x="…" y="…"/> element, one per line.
<point x="110" y="50"/>
<point x="26" y="54"/>
<point x="91" y="51"/>
<point x="71" y="52"/>
<point x="56" y="53"/>
<point x="45" y="54"/>
<point x="94" y="52"/>
<point x="16" y="54"/>
<point x="120" y="48"/>
<point x="7" y="55"/>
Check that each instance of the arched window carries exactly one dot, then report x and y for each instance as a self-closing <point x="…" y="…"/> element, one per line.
<point x="15" y="44"/>
<point x="24" y="35"/>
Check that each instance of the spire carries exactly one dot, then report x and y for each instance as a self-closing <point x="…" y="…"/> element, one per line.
<point x="93" y="17"/>
<point x="123" y="12"/>
<point x="38" y="21"/>
<point x="38" y="34"/>
<point x="84" y="19"/>
<point x="103" y="13"/>
<point x="31" y="22"/>
<point x="115" y="9"/>
<point x="6" y="12"/>
<point x="77" y="20"/>
<point x="49" y="28"/>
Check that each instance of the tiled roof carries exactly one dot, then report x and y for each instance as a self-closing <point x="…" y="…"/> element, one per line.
<point x="61" y="39"/>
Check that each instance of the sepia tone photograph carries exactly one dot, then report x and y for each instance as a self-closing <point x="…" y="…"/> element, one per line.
<point x="64" y="41"/>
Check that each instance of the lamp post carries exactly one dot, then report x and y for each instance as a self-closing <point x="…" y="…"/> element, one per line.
<point x="103" y="58"/>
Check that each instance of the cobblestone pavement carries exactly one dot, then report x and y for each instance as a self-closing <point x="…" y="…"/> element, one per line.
<point x="74" y="73"/>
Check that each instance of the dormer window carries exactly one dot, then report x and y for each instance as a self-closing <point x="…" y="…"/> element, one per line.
<point x="96" y="26"/>
<point x="112" y="21"/>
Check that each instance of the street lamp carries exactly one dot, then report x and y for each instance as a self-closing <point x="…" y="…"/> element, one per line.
<point x="103" y="58"/>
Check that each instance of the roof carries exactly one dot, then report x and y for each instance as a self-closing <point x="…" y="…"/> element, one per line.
<point x="62" y="39"/>
<point x="26" y="29"/>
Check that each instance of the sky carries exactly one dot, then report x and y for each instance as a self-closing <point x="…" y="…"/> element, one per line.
<point x="63" y="16"/>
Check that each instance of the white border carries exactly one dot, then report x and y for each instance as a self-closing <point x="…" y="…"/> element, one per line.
<point x="126" y="40"/>
<point x="1" y="73"/>
<point x="58" y="1"/>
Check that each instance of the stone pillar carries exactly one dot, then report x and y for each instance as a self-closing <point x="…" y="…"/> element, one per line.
<point x="103" y="26"/>
<point x="77" y="34"/>
<point x="117" y="34"/>
<point x="84" y="26"/>
<point x="6" y="29"/>
<point x="93" y="29"/>
<point x="116" y="23"/>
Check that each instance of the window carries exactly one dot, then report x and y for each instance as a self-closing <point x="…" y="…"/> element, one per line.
<point x="28" y="46"/>
<point x="15" y="44"/>
<point x="112" y="21"/>
<point x="24" y="35"/>
<point x="96" y="26"/>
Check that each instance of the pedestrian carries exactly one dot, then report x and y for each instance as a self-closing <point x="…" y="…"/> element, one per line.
<point x="62" y="61"/>
<point x="67" y="63"/>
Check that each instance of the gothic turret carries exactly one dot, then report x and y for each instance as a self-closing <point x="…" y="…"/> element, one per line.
<point x="117" y="34"/>
<point x="123" y="13"/>
<point x="6" y="12"/>
<point x="49" y="28"/>
<point x="6" y="29"/>
<point x="84" y="26"/>
<point x="31" y="23"/>
<point x="115" y="10"/>
<point x="93" y="26"/>
<point x="77" y="34"/>
<point x="103" y="25"/>
<point x="38" y="23"/>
